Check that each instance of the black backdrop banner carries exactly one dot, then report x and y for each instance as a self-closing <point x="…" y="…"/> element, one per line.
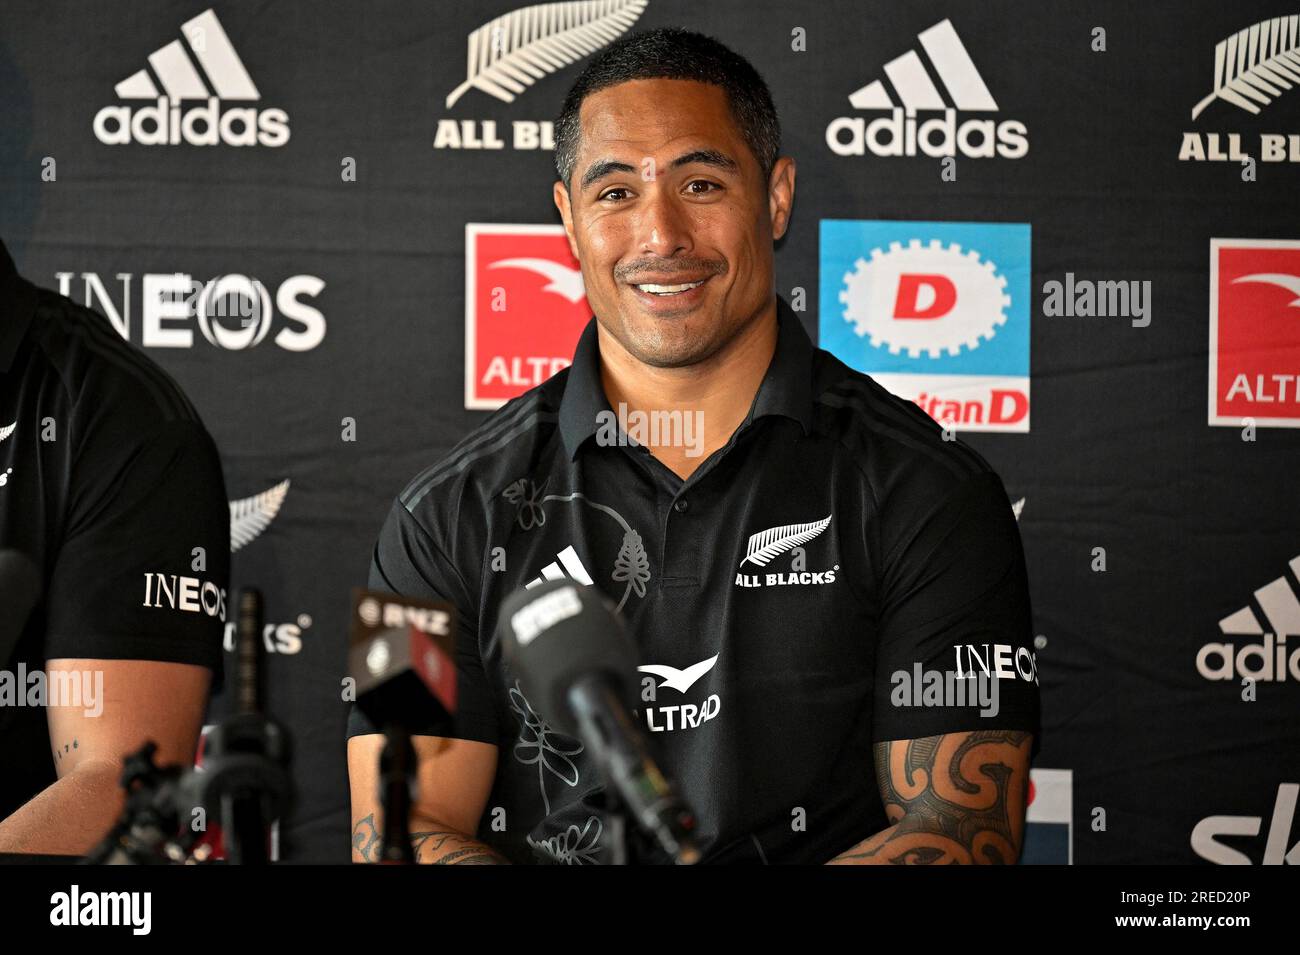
<point x="1067" y="230"/>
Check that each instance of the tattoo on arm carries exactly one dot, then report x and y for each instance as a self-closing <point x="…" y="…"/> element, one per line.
<point x="65" y="749"/>
<point x="954" y="798"/>
<point x="365" y="838"/>
<point x="442" y="847"/>
<point x="439" y="847"/>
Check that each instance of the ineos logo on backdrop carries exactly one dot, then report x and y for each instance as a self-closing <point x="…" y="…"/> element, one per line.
<point x="232" y="312"/>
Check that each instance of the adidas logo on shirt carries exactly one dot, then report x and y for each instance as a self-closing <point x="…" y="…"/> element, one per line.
<point x="180" y="70"/>
<point x="903" y="132"/>
<point x="569" y="559"/>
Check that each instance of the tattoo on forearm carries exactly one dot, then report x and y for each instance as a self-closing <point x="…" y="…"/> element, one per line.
<point x="957" y="798"/>
<point x="442" y="847"/>
<point x="65" y="749"/>
<point x="439" y="847"/>
<point x="365" y="838"/>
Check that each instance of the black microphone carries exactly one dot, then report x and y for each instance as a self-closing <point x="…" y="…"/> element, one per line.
<point x="402" y="658"/>
<point x="578" y="664"/>
<point x="20" y="589"/>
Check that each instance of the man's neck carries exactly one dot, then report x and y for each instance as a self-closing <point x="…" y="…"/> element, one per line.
<point x="717" y="392"/>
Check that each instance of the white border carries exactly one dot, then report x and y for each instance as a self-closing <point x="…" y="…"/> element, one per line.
<point x="472" y="231"/>
<point x="1215" y="246"/>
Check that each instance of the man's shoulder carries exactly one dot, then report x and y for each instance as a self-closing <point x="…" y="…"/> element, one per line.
<point x="504" y="447"/>
<point x="893" y="442"/>
<point x="98" y="368"/>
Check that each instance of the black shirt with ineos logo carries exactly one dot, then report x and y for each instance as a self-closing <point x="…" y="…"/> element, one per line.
<point x="774" y="597"/>
<point x="109" y="485"/>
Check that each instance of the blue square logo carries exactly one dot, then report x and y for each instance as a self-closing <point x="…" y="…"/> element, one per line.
<point x="936" y="312"/>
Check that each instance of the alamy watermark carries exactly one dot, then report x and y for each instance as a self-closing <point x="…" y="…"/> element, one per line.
<point x="655" y="429"/>
<point x="1087" y="298"/>
<point x="944" y="688"/>
<point x="82" y="689"/>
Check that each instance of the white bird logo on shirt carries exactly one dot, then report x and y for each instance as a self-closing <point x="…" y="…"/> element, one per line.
<point x="680" y="680"/>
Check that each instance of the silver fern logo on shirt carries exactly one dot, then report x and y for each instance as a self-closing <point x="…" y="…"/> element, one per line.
<point x="769" y="545"/>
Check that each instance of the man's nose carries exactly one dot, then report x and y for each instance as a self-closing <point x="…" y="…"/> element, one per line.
<point x="664" y="228"/>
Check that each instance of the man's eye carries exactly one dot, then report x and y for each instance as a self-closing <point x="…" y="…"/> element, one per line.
<point x="606" y="195"/>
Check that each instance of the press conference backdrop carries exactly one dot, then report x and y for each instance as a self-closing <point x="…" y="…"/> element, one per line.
<point x="1068" y="230"/>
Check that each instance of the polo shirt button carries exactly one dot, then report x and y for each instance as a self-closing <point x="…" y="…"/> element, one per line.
<point x="681" y="505"/>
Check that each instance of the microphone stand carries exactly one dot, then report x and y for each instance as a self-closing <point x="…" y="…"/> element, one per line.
<point x="245" y="780"/>
<point x="396" y="782"/>
<point x="662" y="820"/>
<point x="616" y="828"/>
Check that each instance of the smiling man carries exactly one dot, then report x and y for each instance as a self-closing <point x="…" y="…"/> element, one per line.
<point x="818" y="545"/>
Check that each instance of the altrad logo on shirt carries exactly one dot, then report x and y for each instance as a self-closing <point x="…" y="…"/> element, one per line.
<point x="767" y="545"/>
<point x="676" y="716"/>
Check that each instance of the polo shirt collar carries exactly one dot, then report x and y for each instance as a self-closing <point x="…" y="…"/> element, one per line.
<point x="16" y="306"/>
<point x="786" y="389"/>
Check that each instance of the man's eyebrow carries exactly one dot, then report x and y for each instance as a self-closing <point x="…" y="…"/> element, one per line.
<point x="709" y="157"/>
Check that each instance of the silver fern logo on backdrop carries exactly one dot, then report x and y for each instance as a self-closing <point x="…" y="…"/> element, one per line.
<point x="509" y="53"/>
<point x="768" y="545"/>
<point x="902" y="132"/>
<point x="181" y="76"/>
<point x="1252" y="69"/>
<point x="249" y="517"/>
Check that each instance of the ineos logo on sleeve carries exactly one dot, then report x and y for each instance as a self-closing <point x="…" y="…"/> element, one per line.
<point x="184" y="593"/>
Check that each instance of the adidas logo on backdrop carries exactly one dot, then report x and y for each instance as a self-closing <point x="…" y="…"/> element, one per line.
<point x="902" y="132"/>
<point x="180" y="72"/>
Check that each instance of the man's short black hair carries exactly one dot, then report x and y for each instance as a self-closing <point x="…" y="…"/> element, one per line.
<point x="675" y="54"/>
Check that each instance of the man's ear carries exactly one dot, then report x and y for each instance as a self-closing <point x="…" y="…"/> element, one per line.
<point x="780" y="195"/>
<point x="561" y="197"/>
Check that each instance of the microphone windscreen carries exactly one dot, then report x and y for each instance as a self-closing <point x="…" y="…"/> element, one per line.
<point x="558" y="632"/>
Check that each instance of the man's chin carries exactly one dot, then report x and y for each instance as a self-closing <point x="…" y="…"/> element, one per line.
<point x="652" y="347"/>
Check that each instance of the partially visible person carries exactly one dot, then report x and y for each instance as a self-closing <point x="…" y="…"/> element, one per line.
<point x="112" y="488"/>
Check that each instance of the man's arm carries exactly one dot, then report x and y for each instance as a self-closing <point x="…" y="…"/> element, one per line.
<point x="123" y="704"/>
<point x="453" y="782"/>
<point x="953" y="798"/>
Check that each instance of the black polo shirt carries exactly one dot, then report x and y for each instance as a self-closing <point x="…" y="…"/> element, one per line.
<point x="108" y="484"/>
<point x="835" y="540"/>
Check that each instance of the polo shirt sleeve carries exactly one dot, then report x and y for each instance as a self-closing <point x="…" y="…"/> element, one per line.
<point x="408" y="561"/>
<point x="955" y="579"/>
<point x="129" y="581"/>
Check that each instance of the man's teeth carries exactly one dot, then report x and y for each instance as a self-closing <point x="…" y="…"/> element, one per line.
<point x="669" y="289"/>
